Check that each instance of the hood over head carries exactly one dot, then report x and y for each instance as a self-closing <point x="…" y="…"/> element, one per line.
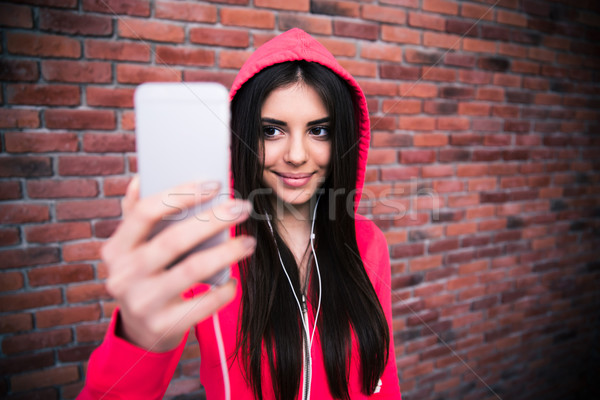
<point x="294" y="45"/>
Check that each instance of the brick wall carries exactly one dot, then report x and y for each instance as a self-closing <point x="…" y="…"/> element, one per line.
<point x="483" y="175"/>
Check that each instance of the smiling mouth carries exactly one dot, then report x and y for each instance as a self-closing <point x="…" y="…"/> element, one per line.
<point x="294" y="180"/>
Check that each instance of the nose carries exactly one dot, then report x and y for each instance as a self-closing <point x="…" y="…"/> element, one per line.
<point x="297" y="151"/>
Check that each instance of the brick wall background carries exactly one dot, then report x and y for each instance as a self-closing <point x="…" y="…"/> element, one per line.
<point x="483" y="174"/>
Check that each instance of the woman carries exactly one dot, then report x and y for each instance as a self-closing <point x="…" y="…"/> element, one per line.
<point x="311" y="315"/>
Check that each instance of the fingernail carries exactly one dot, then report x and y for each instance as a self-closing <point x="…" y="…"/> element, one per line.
<point x="209" y="186"/>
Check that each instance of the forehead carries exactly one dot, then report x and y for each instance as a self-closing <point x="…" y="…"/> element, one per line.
<point x="298" y="101"/>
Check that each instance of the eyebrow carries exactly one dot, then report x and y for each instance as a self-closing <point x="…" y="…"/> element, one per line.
<point x="283" y="123"/>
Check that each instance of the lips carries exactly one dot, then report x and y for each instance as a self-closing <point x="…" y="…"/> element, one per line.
<point x="295" y="180"/>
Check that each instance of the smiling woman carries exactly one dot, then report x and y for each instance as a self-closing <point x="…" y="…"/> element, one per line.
<point x="300" y="134"/>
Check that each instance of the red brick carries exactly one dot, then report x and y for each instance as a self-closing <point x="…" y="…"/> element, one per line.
<point x="128" y="7"/>
<point x="130" y="73"/>
<point x="439" y="74"/>
<point x="459" y="60"/>
<point x="67" y="316"/>
<point x="87" y="292"/>
<point x="261" y="38"/>
<point x="357" y="30"/>
<point x="45" y="378"/>
<point x="10" y="323"/>
<point x="36" y="341"/>
<point x="55" y="275"/>
<point x="15" y="16"/>
<point x="478" y="45"/>
<point x="376" y="51"/>
<point x="90" y="165"/>
<point x="25" y="166"/>
<point x="416" y="123"/>
<point x="381" y="156"/>
<point x="525" y="67"/>
<point x="402" y="106"/>
<point x="452" y="123"/>
<point x="225" y="78"/>
<point x="22" y="301"/>
<point x="339" y="47"/>
<point x="423" y="90"/>
<point x="233" y="58"/>
<point x="74" y="23"/>
<point x="184" y="56"/>
<point x="463" y="201"/>
<point x="28" y="94"/>
<point x="430" y="140"/>
<point x="90" y="332"/>
<point x="360" y="68"/>
<point x="381" y="139"/>
<point x="111" y="50"/>
<point x="490" y="94"/>
<point x="383" y="14"/>
<point x="9" y="236"/>
<point x="441" y="40"/>
<point x="477" y="12"/>
<point x="475" y="77"/>
<point x="293" y="5"/>
<point x="109" y="142"/>
<point x="423" y="263"/>
<point x="417" y="156"/>
<point x="42" y="45"/>
<point x="87" y="209"/>
<point x="109" y="97"/>
<point x="441" y="6"/>
<point x="394" y="71"/>
<point x="426" y="21"/>
<point x="48" y="189"/>
<point x="58" y="232"/>
<point x="81" y="251"/>
<point x="448" y="186"/>
<point x="22" y="213"/>
<point x="19" y="118"/>
<point x="511" y="18"/>
<point x="71" y="354"/>
<point x="128" y="121"/>
<point x="220" y="37"/>
<point x="186" y="11"/>
<point x="422" y="57"/>
<point x="140" y="29"/>
<point x="250" y="18"/>
<point x="474" y="109"/>
<point x="514" y="50"/>
<point x="11" y="281"/>
<point x="77" y="71"/>
<point x="80" y="119"/>
<point x="390" y="33"/>
<point x="378" y="88"/>
<point x="335" y="8"/>
<point x="25" y="142"/>
<point x="29" y="256"/>
<point x="18" y="70"/>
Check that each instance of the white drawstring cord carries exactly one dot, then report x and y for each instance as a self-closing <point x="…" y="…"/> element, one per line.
<point x="312" y="236"/>
<point x="221" y="347"/>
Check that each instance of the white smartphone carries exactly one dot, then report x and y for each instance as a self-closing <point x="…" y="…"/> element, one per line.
<point x="183" y="135"/>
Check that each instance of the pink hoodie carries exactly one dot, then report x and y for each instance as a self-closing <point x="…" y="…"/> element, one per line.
<point x="119" y="370"/>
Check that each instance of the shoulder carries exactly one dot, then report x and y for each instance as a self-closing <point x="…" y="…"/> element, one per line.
<point x="367" y="233"/>
<point x="373" y="250"/>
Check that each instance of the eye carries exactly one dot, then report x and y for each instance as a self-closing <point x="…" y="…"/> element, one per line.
<point x="271" y="131"/>
<point x="320" y="131"/>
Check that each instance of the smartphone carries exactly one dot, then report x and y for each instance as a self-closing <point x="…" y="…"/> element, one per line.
<point x="183" y="135"/>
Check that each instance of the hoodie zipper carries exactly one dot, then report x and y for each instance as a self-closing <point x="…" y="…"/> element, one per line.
<point x="307" y="370"/>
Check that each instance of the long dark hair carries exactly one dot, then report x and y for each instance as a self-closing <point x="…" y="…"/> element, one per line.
<point x="269" y="317"/>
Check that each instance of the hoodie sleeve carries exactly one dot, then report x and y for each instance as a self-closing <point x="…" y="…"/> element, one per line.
<point x="374" y="252"/>
<point x="118" y="369"/>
